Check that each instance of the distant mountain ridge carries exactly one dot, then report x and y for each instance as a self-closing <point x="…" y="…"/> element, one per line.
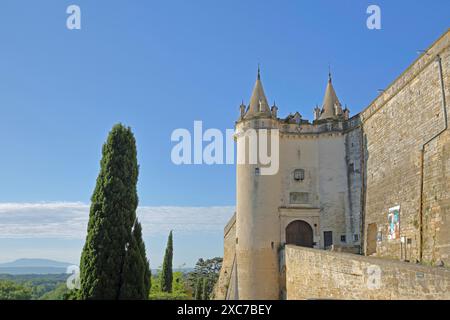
<point x="34" y="266"/>
<point x="47" y="266"/>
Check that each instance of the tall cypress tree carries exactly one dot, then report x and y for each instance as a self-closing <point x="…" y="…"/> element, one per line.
<point x="198" y="289"/>
<point x="205" y="288"/>
<point x="135" y="282"/>
<point x="166" y="272"/>
<point x="113" y="258"/>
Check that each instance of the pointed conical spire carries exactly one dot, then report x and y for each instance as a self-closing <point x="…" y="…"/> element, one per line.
<point x="258" y="101"/>
<point x="330" y="101"/>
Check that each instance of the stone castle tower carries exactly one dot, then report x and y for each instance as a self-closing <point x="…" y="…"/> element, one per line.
<point x="375" y="184"/>
<point x="307" y="202"/>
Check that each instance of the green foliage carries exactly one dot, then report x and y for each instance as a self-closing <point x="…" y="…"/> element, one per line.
<point x="180" y="290"/>
<point x="136" y="279"/>
<point x="198" y="289"/>
<point x="72" y="295"/>
<point x="10" y="290"/>
<point x="113" y="260"/>
<point x="204" y="269"/>
<point x="205" y="289"/>
<point x="39" y="284"/>
<point x="58" y="293"/>
<point x="166" y="272"/>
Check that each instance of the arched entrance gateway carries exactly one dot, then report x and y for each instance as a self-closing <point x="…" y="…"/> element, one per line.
<point x="299" y="233"/>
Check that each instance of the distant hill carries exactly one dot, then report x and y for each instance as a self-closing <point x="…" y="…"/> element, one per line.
<point x="34" y="266"/>
<point x="46" y="266"/>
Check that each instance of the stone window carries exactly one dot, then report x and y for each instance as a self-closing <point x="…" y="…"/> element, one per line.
<point x="343" y="238"/>
<point x="299" y="174"/>
<point x="351" y="167"/>
<point x="299" y="197"/>
<point x="257" y="171"/>
<point x="356" y="237"/>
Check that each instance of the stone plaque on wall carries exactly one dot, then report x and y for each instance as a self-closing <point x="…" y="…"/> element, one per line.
<point x="299" y="197"/>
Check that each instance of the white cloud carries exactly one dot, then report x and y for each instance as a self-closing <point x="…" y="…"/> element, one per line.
<point x="68" y="220"/>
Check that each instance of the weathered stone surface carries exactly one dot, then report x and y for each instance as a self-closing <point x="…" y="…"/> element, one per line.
<point x="225" y="282"/>
<point x="319" y="274"/>
<point x="409" y="119"/>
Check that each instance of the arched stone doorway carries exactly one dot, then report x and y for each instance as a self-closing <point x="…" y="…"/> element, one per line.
<point x="299" y="233"/>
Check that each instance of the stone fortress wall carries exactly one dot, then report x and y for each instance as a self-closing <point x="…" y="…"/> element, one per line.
<point x="320" y="274"/>
<point x="407" y="162"/>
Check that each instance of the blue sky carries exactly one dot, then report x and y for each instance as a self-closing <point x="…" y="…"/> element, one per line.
<point x="158" y="66"/>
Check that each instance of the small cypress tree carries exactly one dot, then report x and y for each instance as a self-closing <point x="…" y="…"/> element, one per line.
<point x="198" y="289"/>
<point x="108" y="268"/>
<point x="167" y="272"/>
<point x="205" y="289"/>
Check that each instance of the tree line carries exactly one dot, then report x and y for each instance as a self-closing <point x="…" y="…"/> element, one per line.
<point x="114" y="264"/>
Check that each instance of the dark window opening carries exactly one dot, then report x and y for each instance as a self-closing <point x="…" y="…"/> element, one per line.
<point x="328" y="239"/>
<point x="299" y="175"/>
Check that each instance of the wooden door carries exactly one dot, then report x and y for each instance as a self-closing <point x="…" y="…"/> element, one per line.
<point x="328" y="239"/>
<point x="299" y="233"/>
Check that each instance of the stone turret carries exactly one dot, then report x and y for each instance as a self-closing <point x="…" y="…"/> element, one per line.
<point x="259" y="107"/>
<point x="346" y="113"/>
<point x="242" y="109"/>
<point x="274" y="110"/>
<point x="331" y="107"/>
<point x="257" y="196"/>
<point x="317" y="112"/>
